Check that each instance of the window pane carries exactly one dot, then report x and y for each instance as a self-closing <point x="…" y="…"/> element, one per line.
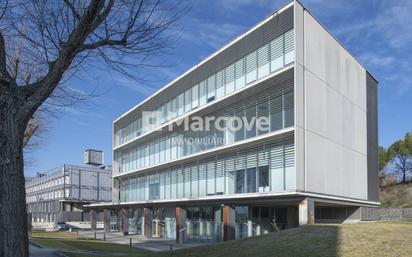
<point x="180" y="102"/>
<point x="211" y="88"/>
<point x="276" y="121"/>
<point x="202" y="93"/>
<point x="239" y="133"/>
<point x="290" y="173"/>
<point x="220" y="177"/>
<point x="240" y="181"/>
<point x="240" y="74"/>
<point x="230" y="79"/>
<point x="202" y="179"/>
<point x="251" y="180"/>
<point x="180" y="181"/>
<point x="195" y="181"/>
<point x="174" y="107"/>
<point x="220" y="89"/>
<point x="188" y="100"/>
<point x="277" y="168"/>
<point x="289" y="112"/>
<point x="263" y="61"/>
<point x="187" y="189"/>
<point x="211" y="177"/>
<point x="195" y="96"/>
<point x="289" y="46"/>
<point x="250" y="122"/>
<point x="251" y="67"/>
<point x="263" y="118"/>
<point x="276" y="54"/>
<point x="263" y="176"/>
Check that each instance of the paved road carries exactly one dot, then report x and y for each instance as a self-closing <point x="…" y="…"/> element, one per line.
<point x="42" y="252"/>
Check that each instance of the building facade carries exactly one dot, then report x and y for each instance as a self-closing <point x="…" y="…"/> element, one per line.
<point x="312" y="157"/>
<point x="59" y="194"/>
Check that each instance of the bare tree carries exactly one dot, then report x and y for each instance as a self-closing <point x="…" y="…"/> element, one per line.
<point x="53" y="41"/>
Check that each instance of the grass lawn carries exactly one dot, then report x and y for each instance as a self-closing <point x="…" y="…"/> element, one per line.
<point x="363" y="239"/>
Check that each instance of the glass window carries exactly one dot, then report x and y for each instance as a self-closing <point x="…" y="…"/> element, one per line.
<point x="240" y="182"/>
<point x="211" y="88"/>
<point x="188" y="100"/>
<point x="263" y="118"/>
<point x="230" y="79"/>
<point x="174" y="107"/>
<point x="195" y="181"/>
<point x="240" y="74"/>
<point x="289" y="47"/>
<point x="211" y="177"/>
<point x="263" y="61"/>
<point x="251" y="180"/>
<point x="169" y="110"/>
<point x="173" y="183"/>
<point x="180" y="180"/>
<point x="167" y="152"/>
<point x="154" y="192"/>
<point x="276" y="120"/>
<point x="230" y="174"/>
<point x="187" y="189"/>
<point x="164" y="113"/>
<point x="238" y="124"/>
<point x="289" y="109"/>
<point x="195" y="96"/>
<point x="277" y="168"/>
<point x="220" y="89"/>
<point x="240" y="174"/>
<point x="202" y="93"/>
<point x="290" y="173"/>
<point x="220" y="177"/>
<point x="251" y="67"/>
<point x="180" y="103"/>
<point x="276" y="54"/>
<point x="250" y="122"/>
<point x="263" y="176"/>
<point x="202" y="179"/>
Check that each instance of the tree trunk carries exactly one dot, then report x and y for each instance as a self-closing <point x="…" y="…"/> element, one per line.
<point x="13" y="216"/>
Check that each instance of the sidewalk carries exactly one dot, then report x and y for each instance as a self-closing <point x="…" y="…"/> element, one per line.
<point x="138" y="241"/>
<point x="35" y="251"/>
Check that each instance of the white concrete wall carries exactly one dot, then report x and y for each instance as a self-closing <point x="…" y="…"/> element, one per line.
<point x="331" y="129"/>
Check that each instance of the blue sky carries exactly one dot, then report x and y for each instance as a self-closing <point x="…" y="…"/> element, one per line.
<point x="376" y="32"/>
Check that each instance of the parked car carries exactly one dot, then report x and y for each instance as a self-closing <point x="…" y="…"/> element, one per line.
<point x="61" y="225"/>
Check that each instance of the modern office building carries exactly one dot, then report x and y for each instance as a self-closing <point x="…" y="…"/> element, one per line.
<point x="313" y="159"/>
<point x="59" y="194"/>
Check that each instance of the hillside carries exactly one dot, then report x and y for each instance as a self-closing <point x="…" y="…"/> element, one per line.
<point x="396" y="196"/>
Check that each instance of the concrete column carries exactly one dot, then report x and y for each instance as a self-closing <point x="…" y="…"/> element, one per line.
<point x="106" y="220"/>
<point x="124" y="221"/>
<point x="92" y="218"/>
<point x="181" y="225"/>
<point x="306" y="212"/>
<point x="229" y="223"/>
<point x="148" y="218"/>
<point x="292" y="217"/>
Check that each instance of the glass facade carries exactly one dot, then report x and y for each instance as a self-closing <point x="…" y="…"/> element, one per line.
<point x="266" y="168"/>
<point x="277" y="107"/>
<point x="256" y="65"/>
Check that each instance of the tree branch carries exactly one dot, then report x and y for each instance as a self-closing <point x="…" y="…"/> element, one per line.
<point x="45" y="87"/>
<point x="73" y="9"/>
<point x="3" y="64"/>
